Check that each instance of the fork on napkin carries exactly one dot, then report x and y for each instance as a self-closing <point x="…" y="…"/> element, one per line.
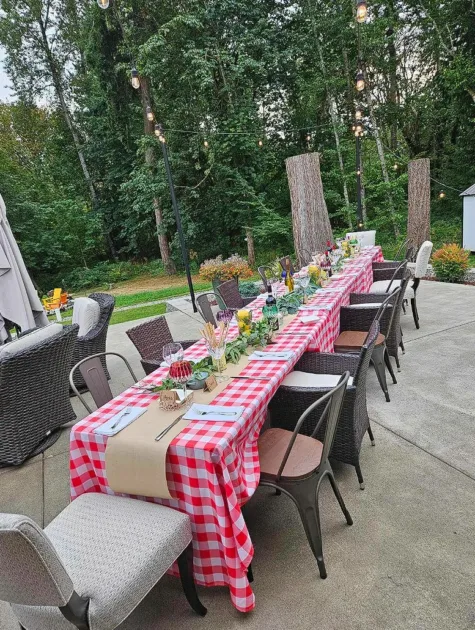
<point x="120" y="420"/>
<point x="216" y="413"/>
<point x="283" y="355"/>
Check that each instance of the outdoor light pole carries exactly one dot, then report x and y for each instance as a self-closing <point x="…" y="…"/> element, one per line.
<point x="359" y="206"/>
<point x="176" y="210"/>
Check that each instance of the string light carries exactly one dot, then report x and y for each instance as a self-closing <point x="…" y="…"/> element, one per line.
<point x="361" y="11"/>
<point x="260" y="143"/>
<point x="358" y="173"/>
<point x="150" y="115"/>
<point x="103" y="4"/>
<point x="441" y="195"/>
<point x="359" y="128"/>
<point x="395" y="167"/>
<point x="360" y="82"/>
<point x="358" y="114"/>
<point x="157" y="130"/>
<point x="309" y="137"/>
<point x="135" y="78"/>
<point x="206" y="144"/>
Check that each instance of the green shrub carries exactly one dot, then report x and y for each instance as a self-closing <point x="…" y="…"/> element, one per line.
<point x="105" y="273"/>
<point x="248" y="289"/>
<point x="450" y="263"/>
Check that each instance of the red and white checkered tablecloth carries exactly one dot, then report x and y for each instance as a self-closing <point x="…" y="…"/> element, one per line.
<point x="213" y="468"/>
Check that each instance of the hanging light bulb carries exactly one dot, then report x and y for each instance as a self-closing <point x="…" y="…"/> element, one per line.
<point x="361" y="11"/>
<point x="260" y="143"/>
<point x="103" y="4"/>
<point x="309" y="137"/>
<point x="358" y="173"/>
<point x="353" y="128"/>
<point x="360" y="83"/>
<point x="157" y="130"/>
<point x="135" y="78"/>
<point x="441" y="195"/>
<point x="395" y="167"/>
<point x="206" y="144"/>
<point x="150" y="115"/>
<point x="359" y="128"/>
<point x="358" y="114"/>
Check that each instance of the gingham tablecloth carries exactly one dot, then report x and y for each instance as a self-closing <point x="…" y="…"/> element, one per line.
<point x="213" y="468"/>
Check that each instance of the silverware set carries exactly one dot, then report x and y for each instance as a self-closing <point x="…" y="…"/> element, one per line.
<point x="117" y="422"/>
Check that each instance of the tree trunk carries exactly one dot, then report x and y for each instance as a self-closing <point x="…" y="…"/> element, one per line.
<point x="150" y="160"/>
<point x="418" y="214"/>
<point x="251" y="254"/>
<point x="310" y="221"/>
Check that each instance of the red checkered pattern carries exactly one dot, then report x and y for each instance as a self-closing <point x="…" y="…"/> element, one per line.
<point x="213" y="468"/>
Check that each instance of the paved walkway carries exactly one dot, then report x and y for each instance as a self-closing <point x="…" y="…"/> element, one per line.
<point x="407" y="563"/>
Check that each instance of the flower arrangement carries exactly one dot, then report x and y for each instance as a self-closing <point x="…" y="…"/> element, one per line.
<point x="450" y="263"/>
<point x="218" y="269"/>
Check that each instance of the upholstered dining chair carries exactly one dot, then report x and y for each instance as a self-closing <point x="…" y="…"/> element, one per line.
<point x="356" y="321"/>
<point x="380" y="277"/>
<point x="204" y="304"/>
<point x="296" y="464"/>
<point x="314" y="375"/>
<point x="96" y="380"/>
<point x="229" y="293"/>
<point x="149" y="339"/>
<point x="93" y="564"/>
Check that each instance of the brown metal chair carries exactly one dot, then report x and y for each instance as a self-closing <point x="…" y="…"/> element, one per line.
<point x="149" y="339"/>
<point x="204" y="303"/>
<point x="95" y="377"/>
<point x="296" y="464"/>
<point x="229" y="293"/>
<point x="267" y="275"/>
<point x="283" y="263"/>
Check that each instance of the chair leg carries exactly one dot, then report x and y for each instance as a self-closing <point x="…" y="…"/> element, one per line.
<point x="336" y="490"/>
<point x="401" y="345"/>
<point x="404" y="307"/>
<point x="359" y="474"/>
<point x="415" y="314"/>
<point x="378" y="361"/>
<point x="396" y="358"/>
<point x="305" y="495"/>
<point x="389" y="365"/>
<point x="185" y="566"/>
<point x="250" y="574"/>
<point x="371" y="436"/>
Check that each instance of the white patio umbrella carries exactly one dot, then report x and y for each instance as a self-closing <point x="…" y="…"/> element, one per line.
<point x="19" y="301"/>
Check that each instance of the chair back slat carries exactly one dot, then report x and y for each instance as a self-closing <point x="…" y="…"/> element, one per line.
<point x="31" y="572"/>
<point x="283" y="264"/>
<point x="150" y="337"/>
<point x="229" y="292"/>
<point x="204" y="303"/>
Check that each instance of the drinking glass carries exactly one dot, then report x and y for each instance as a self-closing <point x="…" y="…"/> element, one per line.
<point x="181" y="372"/>
<point x="173" y="352"/>
<point x="217" y="353"/>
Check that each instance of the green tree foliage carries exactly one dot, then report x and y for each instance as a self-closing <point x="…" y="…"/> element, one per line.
<point x="82" y="178"/>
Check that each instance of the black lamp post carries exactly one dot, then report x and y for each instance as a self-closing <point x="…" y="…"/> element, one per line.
<point x="176" y="209"/>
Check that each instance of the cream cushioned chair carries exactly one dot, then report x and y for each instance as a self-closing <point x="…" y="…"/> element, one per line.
<point x="93" y="564"/>
<point x="86" y="313"/>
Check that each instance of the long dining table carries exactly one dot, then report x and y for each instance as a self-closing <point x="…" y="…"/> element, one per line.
<point x="212" y="468"/>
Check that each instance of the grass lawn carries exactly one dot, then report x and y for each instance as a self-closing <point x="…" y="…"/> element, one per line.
<point x="118" y="317"/>
<point x="159" y="294"/>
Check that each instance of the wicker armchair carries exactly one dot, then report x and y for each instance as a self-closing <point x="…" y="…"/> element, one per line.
<point x="229" y="293"/>
<point x="149" y="339"/>
<point x="394" y="338"/>
<point x="290" y="402"/>
<point x="34" y="397"/>
<point x="95" y="340"/>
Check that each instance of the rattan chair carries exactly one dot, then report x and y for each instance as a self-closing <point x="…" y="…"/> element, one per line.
<point x="34" y="397"/>
<point x="296" y="463"/>
<point x="93" y="373"/>
<point x="204" y="302"/>
<point x="380" y="277"/>
<point x="394" y="340"/>
<point x="149" y="339"/>
<point x="356" y="321"/>
<point x="291" y="400"/>
<point x="95" y="340"/>
<point x="94" y="563"/>
<point x="229" y="293"/>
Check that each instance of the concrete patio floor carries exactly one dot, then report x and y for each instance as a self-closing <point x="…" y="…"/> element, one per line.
<point x="409" y="560"/>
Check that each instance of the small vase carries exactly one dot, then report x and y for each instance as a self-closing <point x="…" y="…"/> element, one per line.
<point x="220" y="364"/>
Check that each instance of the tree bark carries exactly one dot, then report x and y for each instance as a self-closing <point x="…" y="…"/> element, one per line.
<point x="418" y="215"/>
<point x="251" y="254"/>
<point x="310" y="220"/>
<point x="150" y="160"/>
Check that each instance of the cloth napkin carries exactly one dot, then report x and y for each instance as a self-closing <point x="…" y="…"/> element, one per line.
<point x="125" y="420"/>
<point x="309" y="319"/>
<point x="215" y="413"/>
<point x="283" y="355"/>
<point x="315" y="307"/>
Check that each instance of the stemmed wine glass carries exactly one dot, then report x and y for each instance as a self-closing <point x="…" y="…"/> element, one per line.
<point x="217" y="353"/>
<point x="173" y="352"/>
<point x="181" y="372"/>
